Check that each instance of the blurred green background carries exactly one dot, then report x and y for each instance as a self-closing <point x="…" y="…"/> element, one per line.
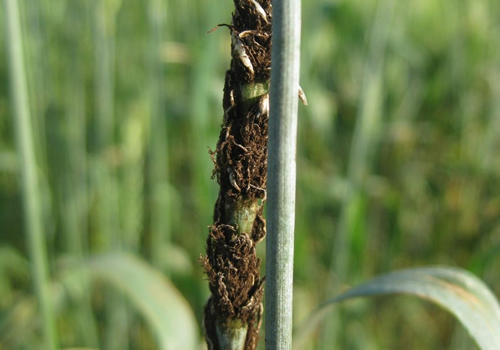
<point x="397" y="157"/>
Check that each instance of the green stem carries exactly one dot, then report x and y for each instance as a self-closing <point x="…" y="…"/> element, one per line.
<point x="160" y="211"/>
<point x="364" y="146"/>
<point x="282" y="172"/>
<point x="30" y="186"/>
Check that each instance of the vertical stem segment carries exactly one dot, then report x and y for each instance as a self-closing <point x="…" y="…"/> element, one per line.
<point x="282" y="173"/>
<point x="233" y="312"/>
<point x="31" y="190"/>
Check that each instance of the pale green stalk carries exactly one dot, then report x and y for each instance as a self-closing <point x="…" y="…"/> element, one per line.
<point x="74" y="202"/>
<point x="282" y="173"/>
<point x="131" y="175"/>
<point x="489" y="150"/>
<point x="203" y="72"/>
<point x="104" y="23"/>
<point x="160" y="216"/>
<point x="30" y="186"/>
<point x="39" y="77"/>
<point x="74" y="198"/>
<point x="366" y="134"/>
<point x="364" y="144"/>
<point x="104" y="41"/>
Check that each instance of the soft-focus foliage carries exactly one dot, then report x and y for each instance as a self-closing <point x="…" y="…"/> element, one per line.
<point x="125" y="100"/>
<point x="455" y="290"/>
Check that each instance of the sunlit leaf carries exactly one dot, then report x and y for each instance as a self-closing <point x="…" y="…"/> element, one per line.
<point x="456" y="290"/>
<point x="164" y="308"/>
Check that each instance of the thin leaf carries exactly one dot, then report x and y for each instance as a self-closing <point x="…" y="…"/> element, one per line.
<point x="31" y="189"/>
<point x="164" y="308"/>
<point x="456" y="290"/>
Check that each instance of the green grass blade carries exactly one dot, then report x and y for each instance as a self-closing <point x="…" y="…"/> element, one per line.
<point x="105" y="175"/>
<point x="364" y="146"/>
<point x="365" y="140"/>
<point x="456" y="290"/>
<point x="166" y="312"/>
<point x="158" y="213"/>
<point x="156" y="298"/>
<point x="30" y="181"/>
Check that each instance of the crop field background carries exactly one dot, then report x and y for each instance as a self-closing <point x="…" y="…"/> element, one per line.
<point x="398" y="159"/>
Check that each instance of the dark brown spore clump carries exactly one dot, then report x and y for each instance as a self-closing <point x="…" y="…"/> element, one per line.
<point x="240" y="159"/>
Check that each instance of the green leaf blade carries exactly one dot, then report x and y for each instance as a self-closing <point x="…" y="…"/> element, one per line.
<point x="155" y="297"/>
<point x="458" y="291"/>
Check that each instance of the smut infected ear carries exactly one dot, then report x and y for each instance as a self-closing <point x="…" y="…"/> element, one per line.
<point x="234" y="310"/>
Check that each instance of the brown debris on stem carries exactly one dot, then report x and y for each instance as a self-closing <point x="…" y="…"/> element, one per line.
<point x="233" y="313"/>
